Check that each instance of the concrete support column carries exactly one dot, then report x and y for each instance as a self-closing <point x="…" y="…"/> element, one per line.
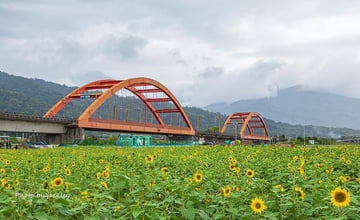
<point x="73" y="134"/>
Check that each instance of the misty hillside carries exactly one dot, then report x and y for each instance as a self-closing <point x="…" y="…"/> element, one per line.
<point x="36" y="96"/>
<point x="297" y="106"/>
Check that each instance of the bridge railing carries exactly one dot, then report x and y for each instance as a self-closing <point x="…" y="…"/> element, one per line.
<point x="33" y="117"/>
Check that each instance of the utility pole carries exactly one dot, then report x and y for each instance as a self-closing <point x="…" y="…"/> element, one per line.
<point x="235" y="124"/>
<point x="219" y="123"/>
<point x="198" y="123"/>
<point x="304" y="135"/>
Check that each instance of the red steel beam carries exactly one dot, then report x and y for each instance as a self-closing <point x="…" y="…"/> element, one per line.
<point x="256" y="126"/>
<point x="134" y="128"/>
<point x="230" y="123"/>
<point x="258" y="121"/>
<point x="167" y="110"/>
<point x="255" y="137"/>
<point x="84" y="119"/>
<point x="107" y="86"/>
<point x="148" y="90"/>
<point x="139" y="84"/>
<point x="103" y="120"/>
<point x="160" y="100"/>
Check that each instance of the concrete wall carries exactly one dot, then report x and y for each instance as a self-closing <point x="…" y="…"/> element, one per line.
<point x="32" y="127"/>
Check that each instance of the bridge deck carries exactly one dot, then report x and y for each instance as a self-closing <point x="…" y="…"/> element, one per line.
<point x="36" y="118"/>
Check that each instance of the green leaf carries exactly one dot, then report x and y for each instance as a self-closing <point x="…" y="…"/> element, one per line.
<point x="203" y="215"/>
<point x="136" y="212"/>
<point x="41" y="216"/>
<point x="188" y="213"/>
<point x="354" y="200"/>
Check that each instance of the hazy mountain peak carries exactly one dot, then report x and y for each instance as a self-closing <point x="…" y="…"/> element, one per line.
<point x="299" y="105"/>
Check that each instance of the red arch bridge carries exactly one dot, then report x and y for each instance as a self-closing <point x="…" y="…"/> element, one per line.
<point x="136" y="105"/>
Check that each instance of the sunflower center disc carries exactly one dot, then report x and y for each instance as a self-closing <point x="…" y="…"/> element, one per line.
<point x="340" y="197"/>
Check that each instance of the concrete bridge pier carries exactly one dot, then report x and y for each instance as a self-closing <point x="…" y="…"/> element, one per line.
<point x="71" y="134"/>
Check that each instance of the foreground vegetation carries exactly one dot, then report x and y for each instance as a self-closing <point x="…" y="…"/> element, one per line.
<point x="207" y="182"/>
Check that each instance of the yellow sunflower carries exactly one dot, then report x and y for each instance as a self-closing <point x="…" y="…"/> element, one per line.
<point x="2" y="171"/>
<point x="235" y="188"/>
<point x="198" y="177"/>
<point x="117" y="209"/>
<point x="84" y="195"/>
<point x="98" y="175"/>
<point x="342" y="179"/>
<point x="295" y="158"/>
<point x="357" y="180"/>
<point x="7" y="162"/>
<point x="105" y="174"/>
<point x="3" y="182"/>
<point x="6" y="185"/>
<point x="67" y="172"/>
<point x="149" y="159"/>
<point x="340" y="197"/>
<point x="58" y="181"/>
<point x="319" y="181"/>
<point x="73" y="163"/>
<point x="164" y="171"/>
<point x="280" y="188"/>
<point x="299" y="192"/>
<point x="257" y="205"/>
<point x="104" y="184"/>
<point x="231" y="166"/>
<point x="348" y="162"/>
<point x="227" y="191"/>
<point x="347" y="178"/>
<point x="250" y="173"/>
<point x="13" y="169"/>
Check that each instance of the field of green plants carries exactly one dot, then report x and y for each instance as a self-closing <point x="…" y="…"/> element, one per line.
<point x="200" y="182"/>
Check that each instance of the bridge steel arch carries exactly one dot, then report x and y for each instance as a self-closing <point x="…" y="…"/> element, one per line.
<point x="249" y="121"/>
<point x="113" y="86"/>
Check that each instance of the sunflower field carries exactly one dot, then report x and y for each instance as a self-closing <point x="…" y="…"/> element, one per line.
<point x="199" y="182"/>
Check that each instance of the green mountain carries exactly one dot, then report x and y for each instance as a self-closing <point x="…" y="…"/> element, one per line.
<point x="296" y="105"/>
<point x="36" y="96"/>
<point x="31" y="96"/>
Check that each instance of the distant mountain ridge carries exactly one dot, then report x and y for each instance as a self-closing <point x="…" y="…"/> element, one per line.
<point x="297" y="106"/>
<point x="36" y="96"/>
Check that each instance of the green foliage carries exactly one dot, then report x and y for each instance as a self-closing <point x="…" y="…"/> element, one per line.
<point x="214" y="129"/>
<point x="120" y="183"/>
<point x="31" y="96"/>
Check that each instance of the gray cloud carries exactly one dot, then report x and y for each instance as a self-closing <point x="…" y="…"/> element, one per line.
<point x="210" y="72"/>
<point x="203" y="51"/>
<point x="125" y="47"/>
<point x="84" y="78"/>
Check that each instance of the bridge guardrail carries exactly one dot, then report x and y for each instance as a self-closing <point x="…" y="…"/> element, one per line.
<point x="30" y="117"/>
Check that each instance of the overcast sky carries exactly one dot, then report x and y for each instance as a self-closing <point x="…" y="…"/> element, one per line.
<point x="203" y="51"/>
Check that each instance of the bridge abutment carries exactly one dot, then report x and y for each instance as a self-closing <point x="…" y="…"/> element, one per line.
<point x="72" y="135"/>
